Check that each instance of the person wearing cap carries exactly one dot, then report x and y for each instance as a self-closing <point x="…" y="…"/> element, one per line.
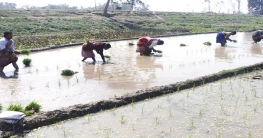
<point x="98" y="47"/>
<point x="223" y="36"/>
<point x="257" y="36"/>
<point x="7" y="51"/>
<point x="145" y="45"/>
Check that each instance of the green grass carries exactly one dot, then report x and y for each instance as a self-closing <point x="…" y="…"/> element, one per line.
<point x="25" y="51"/>
<point x="27" y="62"/>
<point x="33" y="106"/>
<point x="67" y="72"/>
<point x="183" y="44"/>
<point x="16" y="107"/>
<point x="207" y="43"/>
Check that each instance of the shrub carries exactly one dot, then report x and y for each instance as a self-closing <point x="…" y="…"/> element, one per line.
<point x="27" y="62"/>
<point x="67" y="72"/>
<point x="15" y="107"/>
<point x="33" y="106"/>
<point x="25" y="52"/>
<point x="208" y="43"/>
<point x="182" y="44"/>
<point x="107" y="56"/>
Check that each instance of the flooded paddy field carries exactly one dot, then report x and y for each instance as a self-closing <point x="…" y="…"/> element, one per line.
<point x="126" y="71"/>
<point x="231" y="107"/>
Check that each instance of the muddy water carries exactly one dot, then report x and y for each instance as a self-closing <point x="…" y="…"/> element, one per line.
<point x="227" y="108"/>
<point x="126" y="72"/>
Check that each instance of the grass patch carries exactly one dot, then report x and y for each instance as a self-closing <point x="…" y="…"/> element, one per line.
<point x="182" y="44"/>
<point x="33" y="106"/>
<point x="25" y="51"/>
<point x="67" y="72"/>
<point x="27" y="62"/>
<point x="16" y="107"/>
<point x="107" y="56"/>
<point x="207" y="43"/>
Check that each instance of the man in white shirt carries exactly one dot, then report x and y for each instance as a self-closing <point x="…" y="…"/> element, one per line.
<point x="7" y="50"/>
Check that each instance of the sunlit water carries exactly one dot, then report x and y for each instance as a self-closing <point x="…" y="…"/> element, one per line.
<point x="229" y="108"/>
<point x="126" y="73"/>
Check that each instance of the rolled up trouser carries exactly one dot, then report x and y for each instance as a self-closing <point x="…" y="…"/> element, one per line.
<point x="6" y="58"/>
<point x="256" y="36"/>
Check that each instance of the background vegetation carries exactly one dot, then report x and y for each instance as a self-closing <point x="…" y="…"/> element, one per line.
<point x="42" y="28"/>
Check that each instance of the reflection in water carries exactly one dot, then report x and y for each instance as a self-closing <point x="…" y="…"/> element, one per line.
<point x="256" y="49"/>
<point x="221" y="53"/>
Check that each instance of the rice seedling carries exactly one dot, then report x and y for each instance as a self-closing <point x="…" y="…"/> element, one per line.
<point x="59" y="83"/>
<point x="27" y="62"/>
<point x="67" y="72"/>
<point x="207" y="43"/>
<point x="64" y="132"/>
<point x="31" y="88"/>
<point x="142" y="109"/>
<point x="192" y="122"/>
<point x="25" y="52"/>
<point x="1" y="107"/>
<point x="168" y="95"/>
<point x="178" y="88"/>
<point x="33" y="106"/>
<point x="12" y="88"/>
<point x="182" y="44"/>
<point x="170" y="112"/>
<point x="219" y="135"/>
<point x="133" y="127"/>
<point x="157" y="120"/>
<point x="234" y="41"/>
<point x="37" y="70"/>
<point x="122" y="119"/>
<point x="114" y="108"/>
<point x="200" y="112"/>
<point x="132" y="102"/>
<point x="249" y="134"/>
<point x="187" y="94"/>
<point x="88" y="117"/>
<point x="47" y="84"/>
<point x="77" y="79"/>
<point x="159" y="51"/>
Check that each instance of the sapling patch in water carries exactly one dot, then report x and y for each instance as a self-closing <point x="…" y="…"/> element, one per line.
<point x="33" y="106"/>
<point x="182" y="44"/>
<point x="234" y="41"/>
<point x="107" y="56"/>
<point x="27" y="62"/>
<point x="131" y="44"/>
<point x="207" y="43"/>
<point x="25" y="52"/>
<point x="67" y="72"/>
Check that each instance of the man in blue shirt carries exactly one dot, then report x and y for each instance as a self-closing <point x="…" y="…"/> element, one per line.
<point x="7" y="50"/>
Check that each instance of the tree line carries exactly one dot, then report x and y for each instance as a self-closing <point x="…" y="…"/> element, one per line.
<point x="254" y="6"/>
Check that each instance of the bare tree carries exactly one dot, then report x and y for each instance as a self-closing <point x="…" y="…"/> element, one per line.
<point x="106" y="8"/>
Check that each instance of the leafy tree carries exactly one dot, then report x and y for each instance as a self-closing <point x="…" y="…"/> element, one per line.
<point x="255" y="6"/>
<point x="132" y="4"/>
<point x="7" y="5"/>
